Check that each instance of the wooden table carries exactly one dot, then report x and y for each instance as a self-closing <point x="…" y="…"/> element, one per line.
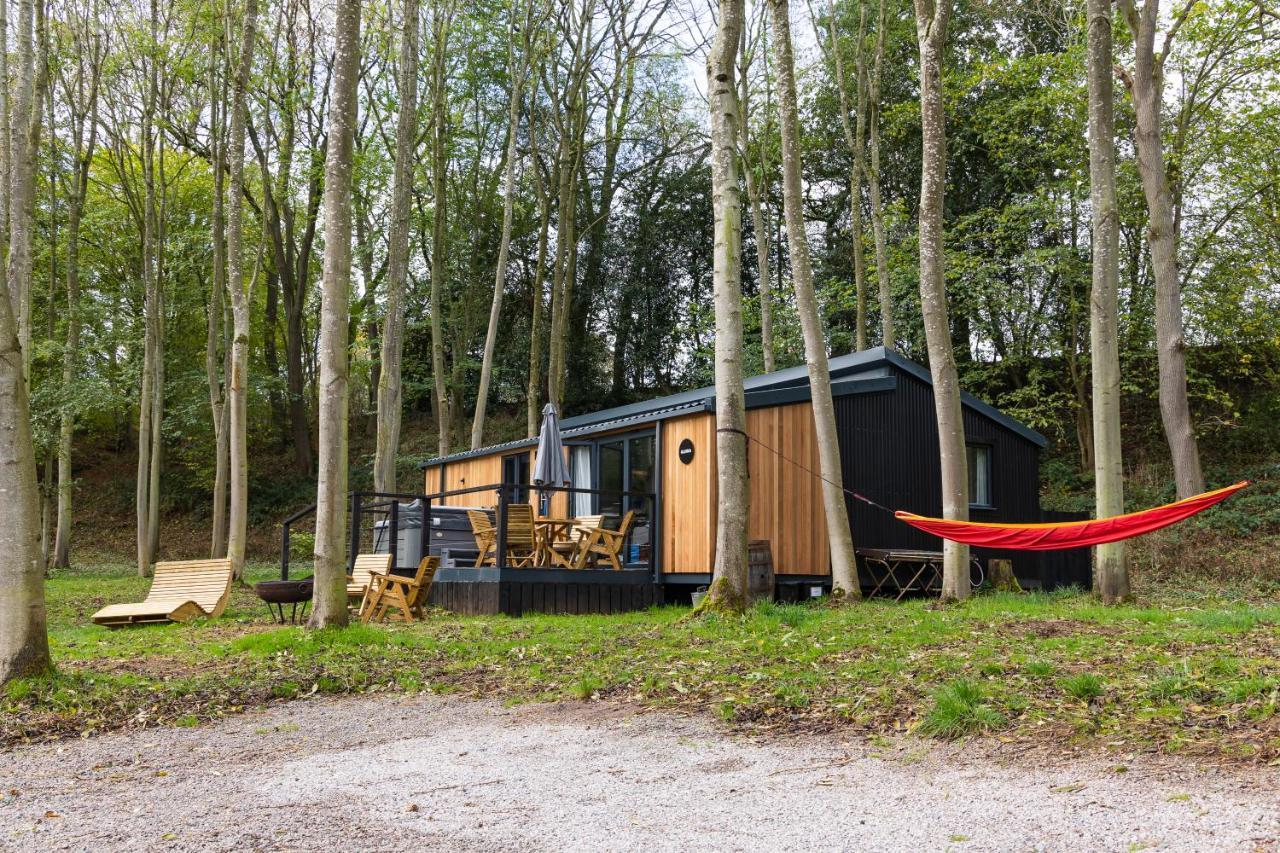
<point x="550" y="530"/>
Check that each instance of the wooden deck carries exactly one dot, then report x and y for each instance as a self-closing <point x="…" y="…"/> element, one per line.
<point x="488" y="591"/>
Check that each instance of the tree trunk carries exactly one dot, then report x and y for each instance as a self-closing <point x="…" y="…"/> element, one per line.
<point x="931" y="32"/>
<point x="1146" y="84"/>
<point x="504" y="245"/>
<point x="844" y="570"/>
<point x="439" y="220"/>
<point x="215" y="349"/>
<point x="759" y="220"/>
<point x="241" y="298"/>
<point x="537" y="309"/>
<point x="84" y="117"/>
<point x="873" y="187"/>
<point x="854" y="135"/>
<point x="21" y="180"/>
<point x="1111" y="572"/>
<point x="24" y="643"/>
<point x="730" y="581"/>
<point x="330" y="598"/>
<point x="389" y="384"/>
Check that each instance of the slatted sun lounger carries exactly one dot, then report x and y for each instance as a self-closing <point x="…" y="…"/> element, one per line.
<point x="179" y="591"/>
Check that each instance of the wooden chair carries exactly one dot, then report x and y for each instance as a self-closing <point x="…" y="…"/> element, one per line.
<point x="486" y="537"/>
<point x="522" y="540"/>
<point x="179" y="591"/>
<point x="367" y="565"/>
<point x="566" y="553"/>
<point x="607" y="544"/>
<point x="406" y="595"/>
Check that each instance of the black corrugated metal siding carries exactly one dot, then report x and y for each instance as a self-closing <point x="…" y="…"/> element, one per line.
<point x="889" y="451"/>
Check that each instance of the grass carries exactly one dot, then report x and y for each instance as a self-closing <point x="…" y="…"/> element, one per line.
<point x="1190" y="673"/>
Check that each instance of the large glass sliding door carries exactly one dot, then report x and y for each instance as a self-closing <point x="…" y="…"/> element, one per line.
<point x="626" y="464"/>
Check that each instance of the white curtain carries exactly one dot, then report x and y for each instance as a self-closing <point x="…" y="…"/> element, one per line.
<point x="581" y="474"/>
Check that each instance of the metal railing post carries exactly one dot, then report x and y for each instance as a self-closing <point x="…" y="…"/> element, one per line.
<point x="424" y="541"/>
<point x="500" y="523"/>
<point x="284" y="552"/>
<point x="354" y="547"/>
<point x="394" y="544"/>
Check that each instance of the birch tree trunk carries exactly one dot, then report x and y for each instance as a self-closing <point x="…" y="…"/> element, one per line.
<point x="533" y="392"/>
<point x="519" y="69"/>
<point x="83" y="107"/>
<point x="873" y="186"/>
<point x="5" y="159"/>
<point x="730" y="580"/>
<point x="854" y="136"/>
<point x="241" y="298"/>
<point x="931" y="33"/>
<point x="330" y="598"/>
<point x="24" y="643"/>
<point x="844" y="570"/>
<point x="21" y="179"/>
<point x="759" y="218"/>
<point x="1146" y="87"/>
<point x="215" y="345"/>
<point x="1111" y="573"/>
<point x="439" y="220"/>
<point x="389" y="379"/>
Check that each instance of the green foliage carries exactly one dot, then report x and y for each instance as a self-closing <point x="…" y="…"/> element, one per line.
<point x="959" y="709"/>
<point x="1085" y="686"/>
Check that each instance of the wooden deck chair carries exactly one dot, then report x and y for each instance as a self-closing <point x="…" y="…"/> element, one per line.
<point x="179" y="591"/>
<point x="603" y="544"/>
<point x="566" y="553"/>
<point x="486" y="537"/>
<point x="367" y="565"/>
<point x="522" y="541"/>
<point x="406" y="595"/>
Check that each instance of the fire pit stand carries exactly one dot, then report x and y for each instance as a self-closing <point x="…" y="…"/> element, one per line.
<point x="277" y="594"/>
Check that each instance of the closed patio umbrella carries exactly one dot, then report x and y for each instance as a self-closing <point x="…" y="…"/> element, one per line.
<point x="550" y="469"/>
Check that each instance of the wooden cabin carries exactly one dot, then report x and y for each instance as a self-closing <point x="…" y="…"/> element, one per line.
<point x="889" y="452"/>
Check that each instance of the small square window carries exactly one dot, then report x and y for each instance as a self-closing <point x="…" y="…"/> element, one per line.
<point x="979" y="475"/>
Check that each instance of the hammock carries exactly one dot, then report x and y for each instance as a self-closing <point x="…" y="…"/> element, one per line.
<point x="1069" y="534"/>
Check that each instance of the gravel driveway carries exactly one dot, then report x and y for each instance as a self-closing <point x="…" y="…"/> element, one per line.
<point x="448" y="774"/>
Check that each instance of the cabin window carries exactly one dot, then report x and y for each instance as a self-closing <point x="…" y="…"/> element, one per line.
<point x="580" y="477"/>
<point x="515" y="472"/>
<point x="980" y="475"/>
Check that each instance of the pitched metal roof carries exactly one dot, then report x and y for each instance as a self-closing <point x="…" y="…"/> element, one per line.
<point x="857" y="372"/>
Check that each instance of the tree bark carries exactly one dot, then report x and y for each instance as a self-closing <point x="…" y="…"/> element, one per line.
<point x="730" y="579"/>
<point x="241" y="298"/>
<point x="533" y="393"/>
<point x="504" y="245"/>
<point x="21" y="179"/>
<point x="759" y="218"/>
<point x="844" y="569"/>
<point x="389" y="379"/>
<point x="1146" y="87"/>
<point x="873" y="186"/>
<point x="1111" y="572"/>
<point x="330" y="597"/>
<point x="24" y="643"/>
<point x="931" y="33"/>
<point x="444" y="401"/>
<point x="855" y="136"/>
<point x="83" y="107"/>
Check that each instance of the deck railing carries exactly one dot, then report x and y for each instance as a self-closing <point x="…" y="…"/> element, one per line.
<point x="495" y="498"/>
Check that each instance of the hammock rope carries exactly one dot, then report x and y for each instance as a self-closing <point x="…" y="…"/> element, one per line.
<point x="1036" y="537"/>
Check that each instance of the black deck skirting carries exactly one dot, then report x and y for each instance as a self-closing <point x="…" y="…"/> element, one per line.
<point x="515" y="592"/>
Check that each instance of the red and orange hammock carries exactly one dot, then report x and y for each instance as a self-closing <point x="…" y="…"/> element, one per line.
<point x="1069" y="534"/>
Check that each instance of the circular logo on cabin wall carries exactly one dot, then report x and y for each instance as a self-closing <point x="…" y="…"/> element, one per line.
<point x="686" y="451"/>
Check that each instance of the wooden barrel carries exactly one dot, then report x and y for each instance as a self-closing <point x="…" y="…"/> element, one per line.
<point x="759" y="570"/>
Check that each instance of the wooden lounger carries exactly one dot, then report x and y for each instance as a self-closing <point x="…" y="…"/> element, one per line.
<point x="179" y="591"/>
